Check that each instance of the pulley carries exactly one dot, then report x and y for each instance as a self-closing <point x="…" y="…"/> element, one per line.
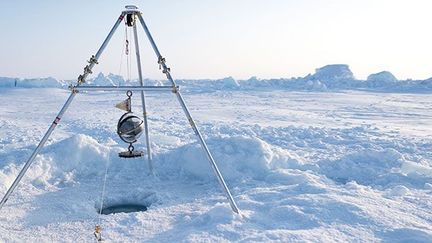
<point x="130" y="19"/>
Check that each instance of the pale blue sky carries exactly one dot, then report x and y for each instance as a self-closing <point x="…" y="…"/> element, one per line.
<point x="219" y="38"/>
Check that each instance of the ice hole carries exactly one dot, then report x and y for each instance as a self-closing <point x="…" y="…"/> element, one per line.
<point x="135" y="201"/>
<point x="124" y="208"/>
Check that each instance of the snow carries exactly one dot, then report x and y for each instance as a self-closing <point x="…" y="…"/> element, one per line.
<point x="333" y="72"/>
<point x="7" y="82"/>
<point x="31" y="83"/>
<point x="101" y="80"/>
<point x="239" y="156"/>
<point x="302" y="166"/>
<point x="380" y="79"/>
<point x="384" y="76"/>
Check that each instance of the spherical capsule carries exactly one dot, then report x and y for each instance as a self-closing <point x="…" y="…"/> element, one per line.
<point x="130" y="127"/>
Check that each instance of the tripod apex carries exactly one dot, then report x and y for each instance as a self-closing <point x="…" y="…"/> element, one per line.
<point x="131" y="7"/>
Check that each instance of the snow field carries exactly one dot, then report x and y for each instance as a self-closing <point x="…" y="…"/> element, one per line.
<point x="340" y="167"/>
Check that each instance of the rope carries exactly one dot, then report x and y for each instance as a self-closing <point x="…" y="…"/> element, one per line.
<point x="103" y="190"/>
<point x="98" y="227"/>
<point x="126" y="52"/>
<point x="128" y="57"/>
<point x="121" y="54"/>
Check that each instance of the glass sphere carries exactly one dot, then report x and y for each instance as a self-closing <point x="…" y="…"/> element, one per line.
<point x="130" y="127"/>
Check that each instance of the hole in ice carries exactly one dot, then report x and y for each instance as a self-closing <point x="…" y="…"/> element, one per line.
<point x="123" y="208"/>
<point x="136" y="201"/>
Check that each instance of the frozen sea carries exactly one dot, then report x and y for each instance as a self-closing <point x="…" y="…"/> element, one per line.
<point x="340" y="166"/>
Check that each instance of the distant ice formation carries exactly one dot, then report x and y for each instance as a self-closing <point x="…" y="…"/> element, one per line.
<point x="327" y="78"/>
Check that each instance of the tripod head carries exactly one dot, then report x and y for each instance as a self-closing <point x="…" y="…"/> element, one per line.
<point x="130" y="12"/>
<point x="130" y="9"/>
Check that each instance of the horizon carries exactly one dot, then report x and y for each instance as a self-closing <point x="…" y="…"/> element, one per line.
<point x="242" y="39"/>
<point x="95" y="75"/>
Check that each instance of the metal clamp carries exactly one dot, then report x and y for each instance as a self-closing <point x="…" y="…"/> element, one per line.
<point x="175" y="89"/>
<point x="93" y="60"/>
<point x="81" y="79"/>
<point x="73" y="88"/>
<point x="161" y="60"/>
<point x="87" y="70"/>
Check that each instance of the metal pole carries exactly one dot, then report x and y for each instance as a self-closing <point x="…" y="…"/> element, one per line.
<point x="209" y="156"/>
<point x="37" y="150"/>
<point x="147" y="136"/>
<point x="125" y="88"/>
<point x="149" y="36"/>
<point x="161" y="60"/>
<point x="166" y="70"/>
<point x="82" y="78"/>
<point x="110" y="34"/>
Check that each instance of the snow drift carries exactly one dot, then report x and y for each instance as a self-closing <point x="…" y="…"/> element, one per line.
<point x="379" y="168"/>
<point x="66" y="161"/>
<point x="81" y="157"/>
<point x="237" y="157"/>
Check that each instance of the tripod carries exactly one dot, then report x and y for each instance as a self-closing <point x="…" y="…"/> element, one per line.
<point x="130" y="15"/>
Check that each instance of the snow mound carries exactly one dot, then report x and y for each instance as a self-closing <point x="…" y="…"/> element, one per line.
<point x="383" y="76"/>
<point x="79" y="156"/>
<point x="101" y="80"/>
<point x="333" y="72"/>
<point x="116" y="79"/>
<point x="427" y="84"/>
<point x="220" y="213"/>
<point x="8" y="82"/>
<point x="315" y="85"/>
<point x="40" y="83"/>
<point x="64" y="162"/>
<point x="80" y="153"/>
<point x="31" y="83"/>
<point x="8" y="175"/>
<point x="398" y="191"/>
<point x="226" y="83"/>
<point x="381" y="79"/>
<point x="366" y="167"/>
<point x="382" y="168"/>
<point x="237" y="157"/>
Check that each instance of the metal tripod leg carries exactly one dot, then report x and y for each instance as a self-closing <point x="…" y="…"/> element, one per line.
<point x="209" y="156"/>
<point x="166" y="70"/>
<point x="147" y="136"/>
<point x="37" y="150"/>
<point x="87" y="71"/>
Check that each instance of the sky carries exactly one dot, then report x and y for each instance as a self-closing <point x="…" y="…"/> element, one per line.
<point x="220" y="38"/>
